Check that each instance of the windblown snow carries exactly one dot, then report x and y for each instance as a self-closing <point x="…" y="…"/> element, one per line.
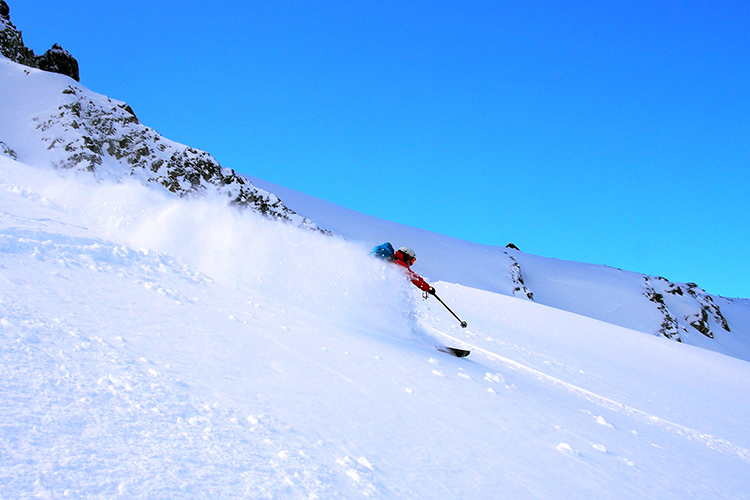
<point x="162" y="347"/>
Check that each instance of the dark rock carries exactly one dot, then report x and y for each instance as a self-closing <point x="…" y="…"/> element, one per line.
<point x="517" y="278"/>
<point x="5" y="149"/>
<point x="670" y="326"/>
<point x="58" y="60"/>
<point x="11" y="41"/>
<point x="700" y="323"/>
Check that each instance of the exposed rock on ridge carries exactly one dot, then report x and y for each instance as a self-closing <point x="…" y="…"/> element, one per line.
<point x="704" y="316"/>
<point x="682" y="312"/>
<point x="56" y="59"/>
<point x="6" y="151"/>
<point x="516" y="277"/>
<point x="11" y="41"/>
<point x="93" y="133"/>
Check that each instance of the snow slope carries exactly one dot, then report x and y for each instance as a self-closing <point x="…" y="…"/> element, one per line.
<point x="157" y="347"/>
<point x="616" y="296"/>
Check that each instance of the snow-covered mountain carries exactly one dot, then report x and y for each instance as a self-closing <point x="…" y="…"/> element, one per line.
<point x="158" y="342"/>
<point x="679" y="311"/>
<point x="52" y="120"/>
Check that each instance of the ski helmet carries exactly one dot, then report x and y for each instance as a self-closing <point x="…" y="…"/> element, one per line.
<point x="408" y="251"/>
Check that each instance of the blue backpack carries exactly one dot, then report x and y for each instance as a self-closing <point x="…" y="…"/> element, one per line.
<point x="384" y="251"/>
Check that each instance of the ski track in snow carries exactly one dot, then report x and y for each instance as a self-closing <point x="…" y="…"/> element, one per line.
<point x="711" y="442"/>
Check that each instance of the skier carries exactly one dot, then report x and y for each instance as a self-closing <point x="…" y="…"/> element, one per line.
<point x="405" y="258"/>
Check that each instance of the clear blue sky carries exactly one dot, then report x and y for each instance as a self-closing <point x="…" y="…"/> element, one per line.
<point x="614" y="133"/>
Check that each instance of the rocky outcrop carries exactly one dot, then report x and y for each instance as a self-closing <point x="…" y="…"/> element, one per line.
<point x="519" y="288"/>
<point x="6" y="151"/>
<point x="516" y="276"/>
<point x="56" y="59"/>
<point x="670" y="327"/>
<point x="92" y="133"/>
<point x="684" y="307"/>
<point x="11" y="41"/>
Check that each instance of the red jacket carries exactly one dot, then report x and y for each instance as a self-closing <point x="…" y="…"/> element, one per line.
<point x="418" y="281"/>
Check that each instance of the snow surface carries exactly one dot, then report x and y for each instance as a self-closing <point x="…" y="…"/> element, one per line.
<point x="155" y="347"/>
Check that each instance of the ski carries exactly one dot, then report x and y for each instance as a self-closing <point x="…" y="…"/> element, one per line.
<point x="459" y="353"/>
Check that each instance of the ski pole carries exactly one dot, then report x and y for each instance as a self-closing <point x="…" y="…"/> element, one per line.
<point x="463" y="323"/>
